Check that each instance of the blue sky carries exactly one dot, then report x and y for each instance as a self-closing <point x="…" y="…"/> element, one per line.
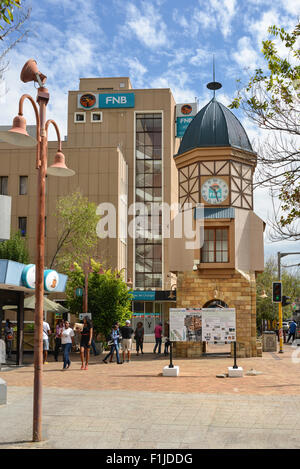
<point x="158" y="43"/>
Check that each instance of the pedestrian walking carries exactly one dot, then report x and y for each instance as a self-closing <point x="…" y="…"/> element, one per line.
<point x="139" y="337"/>
<point x="9" y="337"/>
<point x="67" y="339"/>
<point x="119" y="341"/>
<point x="46" y="333"/>
<point x="158" y="337"/>
<point x="292" y="331"/>
<point x="126" y="333"/>
<point x="114" y="344"/>
<point x="58" y="331"/>
<point x="85" y="343"/>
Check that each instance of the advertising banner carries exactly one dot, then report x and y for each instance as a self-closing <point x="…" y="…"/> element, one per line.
<point x="182" y="124"/>
<point x="186" y="109"/>
<point x="219" y="325"/>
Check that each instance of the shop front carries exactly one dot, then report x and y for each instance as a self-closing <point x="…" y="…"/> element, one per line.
<point x="150" y="308"/>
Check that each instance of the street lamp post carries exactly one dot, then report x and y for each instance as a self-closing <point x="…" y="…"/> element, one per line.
<point x="18" y="135"/>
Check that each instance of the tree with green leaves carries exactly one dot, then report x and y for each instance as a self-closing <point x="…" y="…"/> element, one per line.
<point x="109" y="299"/>
<point x="13" y="20"/>
<point x="271" y="99"/>
<point x="77" y="237"/>
<point x="15" y="249"/>
<point x="6" y="10"/>
<point x="265" y="309"/>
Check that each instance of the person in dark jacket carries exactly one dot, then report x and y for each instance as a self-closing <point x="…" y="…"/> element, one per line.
<point x="292" y="331"/>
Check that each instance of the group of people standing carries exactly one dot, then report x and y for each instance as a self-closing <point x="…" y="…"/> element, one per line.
<point x="65" y="335"/>
<point x="64" y="338"/>
<point x="124" y="336"/>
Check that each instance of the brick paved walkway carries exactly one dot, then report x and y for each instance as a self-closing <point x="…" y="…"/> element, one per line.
<point x="132" y="406"/>
<point x="280" y="375"/>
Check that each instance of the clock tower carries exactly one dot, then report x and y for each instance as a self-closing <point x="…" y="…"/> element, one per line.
<point x="216" y="165"/>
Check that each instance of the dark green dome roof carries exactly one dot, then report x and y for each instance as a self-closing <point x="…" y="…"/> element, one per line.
<point x="215" y="126"/>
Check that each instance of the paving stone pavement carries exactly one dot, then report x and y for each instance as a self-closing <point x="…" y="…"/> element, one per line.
<point x="132" y="406"/>
<point x="151" y="420"/>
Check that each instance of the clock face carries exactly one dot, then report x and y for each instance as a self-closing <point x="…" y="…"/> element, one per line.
<point x="214" y="191"/>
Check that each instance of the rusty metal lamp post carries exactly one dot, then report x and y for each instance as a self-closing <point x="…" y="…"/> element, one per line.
<point x="18" y="135"/>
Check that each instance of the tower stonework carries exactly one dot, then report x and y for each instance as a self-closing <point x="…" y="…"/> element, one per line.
<point x="216" y="165"/>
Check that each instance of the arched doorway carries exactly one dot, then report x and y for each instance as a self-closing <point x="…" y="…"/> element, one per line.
<point x="216" y="349"/>
<point x="215" y="304"/>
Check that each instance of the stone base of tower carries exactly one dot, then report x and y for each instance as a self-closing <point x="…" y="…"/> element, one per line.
<point x="235" y="289"/>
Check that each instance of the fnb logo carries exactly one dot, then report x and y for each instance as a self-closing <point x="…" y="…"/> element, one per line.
<point x="116" y="100"/>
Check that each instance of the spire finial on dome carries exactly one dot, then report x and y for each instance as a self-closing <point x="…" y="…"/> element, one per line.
<point x="214" y="85"/>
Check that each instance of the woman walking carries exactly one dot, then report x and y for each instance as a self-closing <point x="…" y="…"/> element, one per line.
<point x="85" y="343"/>
<point x="58" y="332"/>
<point x="114" y="346"/>
<point x="66" y="342"/>
<point x="139" y="337"/>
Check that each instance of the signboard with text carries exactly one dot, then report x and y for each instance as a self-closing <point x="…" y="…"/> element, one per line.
<point x="219" y="325"/>
<point x="116" y="100"/>
<point x="216" y="325"/>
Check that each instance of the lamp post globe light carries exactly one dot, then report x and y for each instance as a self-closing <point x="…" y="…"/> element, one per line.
<point x="18" y="135"/>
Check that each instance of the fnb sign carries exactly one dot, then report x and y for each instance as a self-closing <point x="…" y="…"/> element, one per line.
<point x="116" y="100"/>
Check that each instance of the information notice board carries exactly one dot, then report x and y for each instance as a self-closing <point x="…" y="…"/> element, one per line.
<point x="218" y="325"/>
<point x="215" y="325"/>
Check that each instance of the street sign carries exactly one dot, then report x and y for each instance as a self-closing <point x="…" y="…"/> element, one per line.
<point x="79" y="292"/>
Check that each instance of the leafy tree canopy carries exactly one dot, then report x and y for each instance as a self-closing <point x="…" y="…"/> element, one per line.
<point x="271" y="99"/>
<point x="15" y="249"/>
<point x="265" y="309"/>
<point x="77" y="237"/>
<point x="6" y="10"/>
<point x="109" y="300"/>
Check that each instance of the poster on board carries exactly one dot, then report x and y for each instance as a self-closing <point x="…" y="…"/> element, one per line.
<point x="185" y="325"/>
<point x="218" y="325"/>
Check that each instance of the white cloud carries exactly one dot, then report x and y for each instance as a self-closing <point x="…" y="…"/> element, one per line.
<point x="178" y="82"/>
<point x="136" y="72"/>
<point x="147" y="25"/>
<point x="215" y="14"/>
<point x="246" y="56"/>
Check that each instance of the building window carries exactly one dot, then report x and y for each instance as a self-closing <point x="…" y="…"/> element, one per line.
<point x="148" y="262"/>
<point x="96" y="116"/>
<point x="79" y="117"/>
<point x="3" y="185"/>
<point x="23" y="185"/>
<point x="23" y="225"/>
<point x="215" y="247"/>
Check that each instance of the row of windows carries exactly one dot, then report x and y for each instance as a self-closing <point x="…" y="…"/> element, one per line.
<point x="23" y="185"/>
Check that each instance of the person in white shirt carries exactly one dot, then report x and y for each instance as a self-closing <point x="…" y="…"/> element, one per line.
<point x="46" y="333"/>
<point x="66" y="342"/>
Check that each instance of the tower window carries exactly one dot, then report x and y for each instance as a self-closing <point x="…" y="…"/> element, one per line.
<point x="215" y="247"/>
